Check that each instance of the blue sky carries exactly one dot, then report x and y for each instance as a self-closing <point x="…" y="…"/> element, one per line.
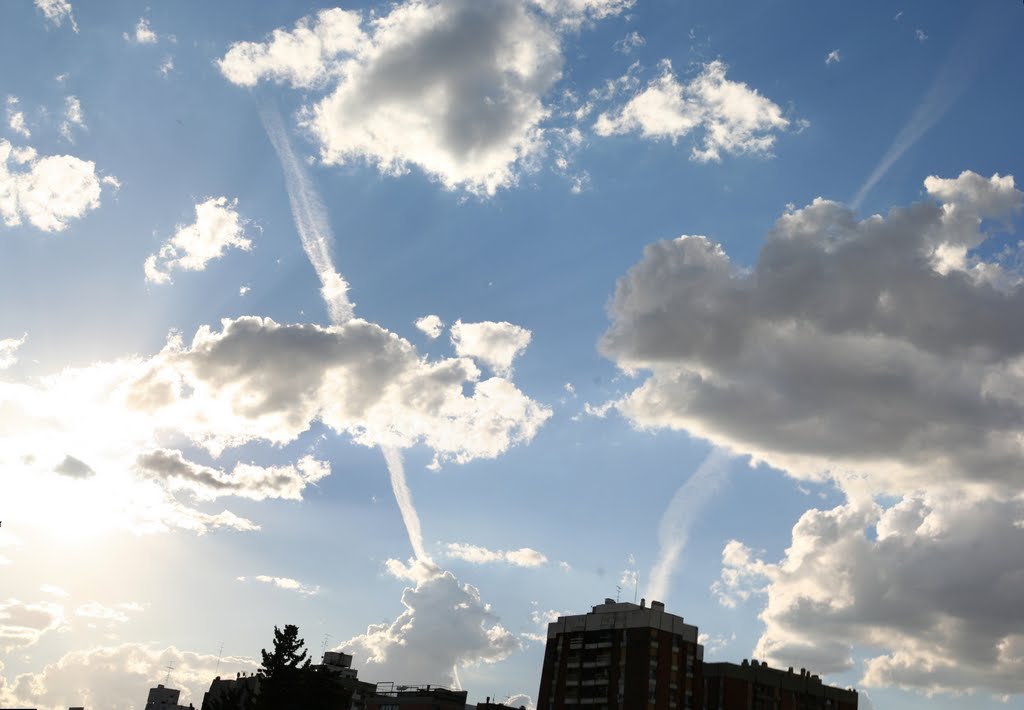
<point x="725" y="298"/>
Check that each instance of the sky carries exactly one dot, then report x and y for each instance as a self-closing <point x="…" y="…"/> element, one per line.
<point x="418" y="324"/>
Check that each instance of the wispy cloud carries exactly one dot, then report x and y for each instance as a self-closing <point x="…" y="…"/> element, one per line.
<point x="678" y="518"/>
<point x="962" y="65"/>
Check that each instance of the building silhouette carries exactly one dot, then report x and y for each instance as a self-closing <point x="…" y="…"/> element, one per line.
<point x="625" y="656"/>
<point x="389" y="696"/>
<point x="161" y="698"/>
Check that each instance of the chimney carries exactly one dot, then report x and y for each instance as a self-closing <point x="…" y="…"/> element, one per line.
<point x="608" y="600"/>
<point x="657" y="606"/>
<point x="643" y="602"/>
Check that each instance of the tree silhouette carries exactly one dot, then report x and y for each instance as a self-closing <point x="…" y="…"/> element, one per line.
<point x="284" y="672"/>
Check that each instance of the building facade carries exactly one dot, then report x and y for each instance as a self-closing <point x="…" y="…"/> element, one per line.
<point x="624" y="656"/>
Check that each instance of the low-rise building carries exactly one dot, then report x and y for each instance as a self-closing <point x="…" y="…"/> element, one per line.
<point x="389" y="696"/>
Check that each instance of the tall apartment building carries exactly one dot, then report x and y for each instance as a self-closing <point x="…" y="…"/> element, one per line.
<point x="622" y="656"/>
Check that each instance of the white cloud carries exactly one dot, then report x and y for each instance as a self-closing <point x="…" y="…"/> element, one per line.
<point x="56" y="11"/>
<point x="117" y="614"/>
<point x="920" y="35"/>
<point x="929" y="584"/>
<point x="287" y="583"/>
<point x="876" y="348"/>
<point x="9" y="351"/>
<point x="73" y="117"/>
<point x="732" y="117"/>
<point x="451" y="87"/>
<point x="445" y="626"/>
<point x="627" y="44"/>
<point x="833" y="57"/>
<point x="143" y="33"/>
<point x="304" y="57"/>
<point x="22" y="624"/>
<point x="520" y="700"/>
<point x="496" y="344"/>
<point x="573" y="13"/>
<point x="166" y="66"/>
<point x="218" y="227"/>
<point x="54" y="590"/>
<point x="111" y="677"/>
<point x="431" y="325"/>
<point x="49" y="191"/>
<point x="245" y="481"/>
<point x="16" y="118"/>
<point x="523" y="557"/>
<point x="254" y="380"/>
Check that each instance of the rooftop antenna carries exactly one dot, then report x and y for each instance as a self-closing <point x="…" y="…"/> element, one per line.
<point x="220" y="652"/>
<point x="618" y="592"/>
<point x="169" y="667"/>
<point x="323" y="650"/>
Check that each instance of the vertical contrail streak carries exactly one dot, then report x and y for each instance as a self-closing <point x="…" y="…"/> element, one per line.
<point x="679" y="516"/>
<point x="403" y="496"/>
<point x="314" y="229"/>
<point x="310" y="219"/>
<point x="961" y="66"/>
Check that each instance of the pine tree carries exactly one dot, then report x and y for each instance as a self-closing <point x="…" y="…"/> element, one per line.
<point x="284" y="671"/>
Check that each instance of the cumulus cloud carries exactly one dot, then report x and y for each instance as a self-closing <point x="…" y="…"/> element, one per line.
<point x="22" y="624"/>
<point x="292" y="585"/>
<point x="519" y="701"/>
<point x="56" y="11"/>
<point x="74" y="468"/>
<point x="142" y="34"/>
<point x="253" y="380"/>
<point x="9" y="351"/>
<point x="496" y="344"/>
<point x="110" y="677"/>
<point x="930" y="583"/>
<point x="445" y="626"/>
<point x="880" y="348"/>
<point x="245" y="481"/>
<point x="431" y="325"/>
<point x="523" y="557"/>
<point x="218" y="227"/>
<point x="451" y="87"/>
<point x="304" y="57"/>
<point x="731" y="117"/>
<point x="48" y="191"/>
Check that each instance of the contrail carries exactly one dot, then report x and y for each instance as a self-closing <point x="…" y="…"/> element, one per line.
<point x="403" y="497"/>
<point x="962" y="64"/>
<point x="314" y="229"/>
<point x="310" y="219"/>
<point x="682" y="511"/>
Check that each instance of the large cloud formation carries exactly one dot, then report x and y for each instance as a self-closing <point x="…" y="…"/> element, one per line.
<point x="252" y="381"/>
<point x="453" y="87"/>
<point x="885" y="354"/>
<point x="935" y="581"/>
<point x="889" y="347"/>
<point x="445" y="626"/>
<point x="116" y="677"/>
